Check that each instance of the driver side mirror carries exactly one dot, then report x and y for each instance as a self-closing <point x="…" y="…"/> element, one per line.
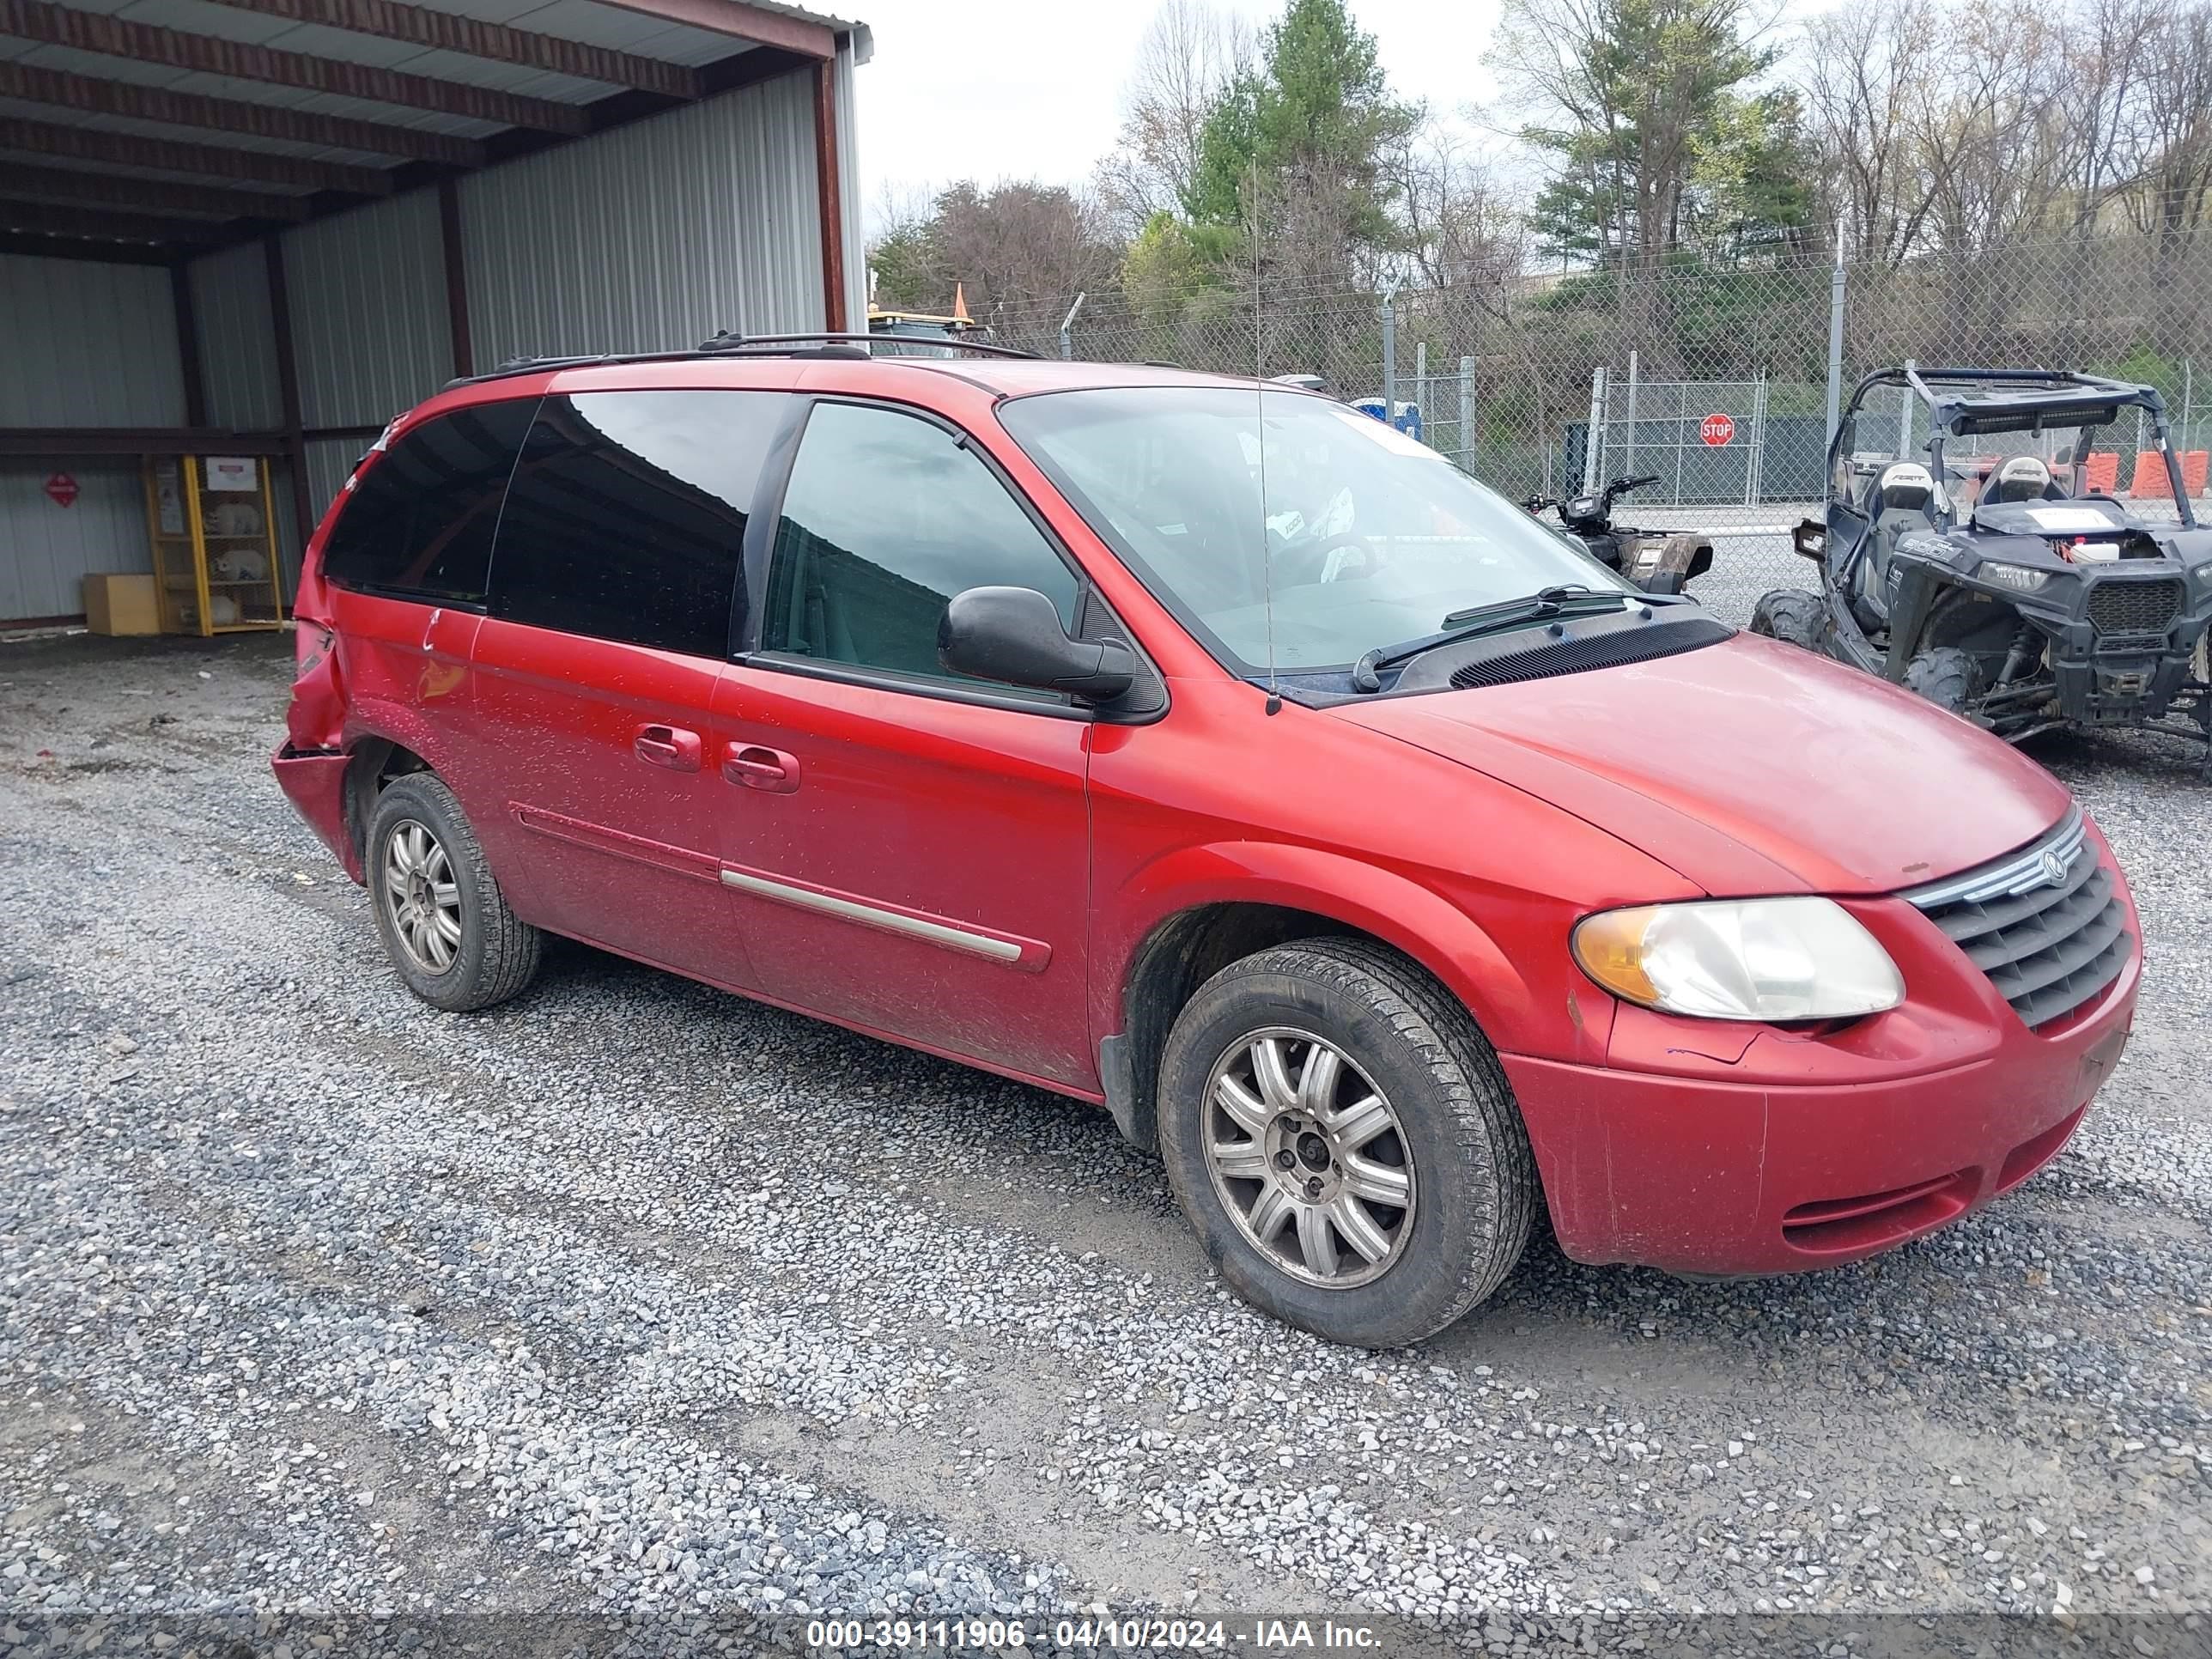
<point x="1014" y="635"/>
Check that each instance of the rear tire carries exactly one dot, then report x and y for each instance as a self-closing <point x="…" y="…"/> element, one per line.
<point x="1793" y="615"/>
<point x="1947" y="677"/>
<point x="443" y="921"/>
<point x="1346" y="1262"/>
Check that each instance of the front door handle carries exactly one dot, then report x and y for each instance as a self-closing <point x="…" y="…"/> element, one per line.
<point x="671" y="746"/>
<point x="759" y="767"/>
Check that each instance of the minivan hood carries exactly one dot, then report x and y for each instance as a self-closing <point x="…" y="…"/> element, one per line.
<point x="1748" y="767"/>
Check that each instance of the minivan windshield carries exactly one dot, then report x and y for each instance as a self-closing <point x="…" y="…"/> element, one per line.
<point x="1286" y="530"/>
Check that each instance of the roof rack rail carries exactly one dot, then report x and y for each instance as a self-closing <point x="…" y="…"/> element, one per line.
<point x="727" y="343"/>
<point x="728" y="340"/>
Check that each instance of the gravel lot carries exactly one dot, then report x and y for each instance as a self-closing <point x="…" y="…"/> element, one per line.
<point x="630" y="1300"/>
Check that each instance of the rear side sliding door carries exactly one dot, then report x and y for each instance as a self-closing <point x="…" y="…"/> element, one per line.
<point x="613" y="578"/>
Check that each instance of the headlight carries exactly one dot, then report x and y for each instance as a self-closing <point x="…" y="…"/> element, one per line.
<point x="1768" y="959"/>
<point x="2018" y="577"/>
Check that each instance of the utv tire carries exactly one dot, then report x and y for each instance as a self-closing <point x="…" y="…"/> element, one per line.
<point x="1794" y="616"/>
<point x="1290" y="1195"/>
<point x="1947" y="677"/>
<point x="442" y="919"/>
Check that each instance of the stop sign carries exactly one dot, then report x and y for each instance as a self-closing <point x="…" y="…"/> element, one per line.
<point x="1716" y="430"/>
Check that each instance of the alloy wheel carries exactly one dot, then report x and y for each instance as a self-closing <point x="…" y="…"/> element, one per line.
<point x="1309" y="1158"/>
<point x="421" y="897"/>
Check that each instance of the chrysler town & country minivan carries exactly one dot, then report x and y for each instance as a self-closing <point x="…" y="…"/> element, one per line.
<point x="1209" y="751"/>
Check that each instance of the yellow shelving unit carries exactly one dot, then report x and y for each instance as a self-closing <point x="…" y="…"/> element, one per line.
<point x="212" y="522"/>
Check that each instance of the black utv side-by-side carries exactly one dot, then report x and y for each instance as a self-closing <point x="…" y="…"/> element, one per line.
<point x="1992" y="582"/>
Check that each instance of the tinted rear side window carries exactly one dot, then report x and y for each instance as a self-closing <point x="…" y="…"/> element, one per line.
<point x="626" y="517"/>
<point x="420" y="521"/>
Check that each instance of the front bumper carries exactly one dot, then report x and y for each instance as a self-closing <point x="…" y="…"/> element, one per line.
<point x="1714" y="1149"/>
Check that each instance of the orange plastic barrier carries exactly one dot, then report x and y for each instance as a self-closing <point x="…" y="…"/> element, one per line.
<point x="2150" y="479"/>
<point x="2103" y="471"/>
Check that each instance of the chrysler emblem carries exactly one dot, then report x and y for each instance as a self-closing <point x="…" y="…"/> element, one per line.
<point x="2053" y="866"/>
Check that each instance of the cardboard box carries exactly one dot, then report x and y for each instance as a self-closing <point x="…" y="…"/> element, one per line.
<point x="118" y="603"/>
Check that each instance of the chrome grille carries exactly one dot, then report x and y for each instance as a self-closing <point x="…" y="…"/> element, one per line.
<point x="2044" y="924"/>
<point x="2129" y="605"/>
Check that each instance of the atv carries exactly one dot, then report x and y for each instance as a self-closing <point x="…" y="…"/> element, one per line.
<point x="1654" y="560"/>
<point x="1984" y="582"/>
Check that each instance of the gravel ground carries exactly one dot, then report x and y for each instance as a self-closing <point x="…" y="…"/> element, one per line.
<point x="632" y="1307"/>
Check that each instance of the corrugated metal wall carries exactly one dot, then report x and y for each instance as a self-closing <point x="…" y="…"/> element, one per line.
<point x="649" y="237"/>
<point x="369" y="322"/>
<point x="238" y="339"/>
<point x="47" y="549"/>
<point x="653" y="236"/>
<point x="80" y="345"/>
<point x="88" y="345"/>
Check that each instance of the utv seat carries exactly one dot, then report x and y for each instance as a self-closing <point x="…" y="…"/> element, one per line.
<point x="2021" y="478"/>
<point x="1900" y="500"/>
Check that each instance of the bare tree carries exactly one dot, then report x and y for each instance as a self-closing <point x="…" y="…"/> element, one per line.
<point x="1189" y="54"/>
<point x="1462" y="227"/>
<point x="1867" y="71"/>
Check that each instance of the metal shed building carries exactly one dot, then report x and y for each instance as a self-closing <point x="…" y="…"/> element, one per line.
<point x="262" y="227"/>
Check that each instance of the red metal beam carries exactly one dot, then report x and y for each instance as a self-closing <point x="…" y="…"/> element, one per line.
<point x="146" y="195"/>
<point x="38" y="85"/>
<point x="27" y="440"/>
<point x="95" y="224"/>
<point x="288" y="387"/>
<point x="457" y="282"/>
<point x="188" y="343"/>
<point x="419" y="26"/>
<point x="76" y="248"/>
<point x="734" y="18"/>
<point x="205" y="54"/>
<point x="828" y="195"/>
<point x="125" y="149"/>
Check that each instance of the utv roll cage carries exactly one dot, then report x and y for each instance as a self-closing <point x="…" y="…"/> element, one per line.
<point x="2015" y="400"/>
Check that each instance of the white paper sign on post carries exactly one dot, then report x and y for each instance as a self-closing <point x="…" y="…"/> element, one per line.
<point x="232" y="472"/>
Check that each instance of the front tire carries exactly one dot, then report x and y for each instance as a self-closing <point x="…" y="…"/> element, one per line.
<point x="1947" y="677"/>
<point x="1344" y="1143"/>
<point x="443" y="921"/>
<point x="1794" y="616"/>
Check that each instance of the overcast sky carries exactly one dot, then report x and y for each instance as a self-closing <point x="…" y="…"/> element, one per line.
<point x="997" y="90"/>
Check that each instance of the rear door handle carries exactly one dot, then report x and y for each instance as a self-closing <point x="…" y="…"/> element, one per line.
<point x="671" y="746"/>
<point x="759" y="767"/>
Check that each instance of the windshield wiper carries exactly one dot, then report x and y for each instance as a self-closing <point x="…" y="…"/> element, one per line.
<point x="1477" y="620"/>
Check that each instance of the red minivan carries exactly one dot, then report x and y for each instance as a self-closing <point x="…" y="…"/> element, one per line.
<point x="1207" y="750"/>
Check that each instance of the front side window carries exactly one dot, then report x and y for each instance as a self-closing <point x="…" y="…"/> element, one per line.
<point x="626" y="517"/>
<point x="418" y="523"/>
<point x="1284" y="528"/>
<point x="886" y="517"/>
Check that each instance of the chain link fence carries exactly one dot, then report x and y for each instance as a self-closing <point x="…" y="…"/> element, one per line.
<point x="1722" y="382"/>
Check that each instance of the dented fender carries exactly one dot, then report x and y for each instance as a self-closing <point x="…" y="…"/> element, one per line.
<point x="1508" y="999"/>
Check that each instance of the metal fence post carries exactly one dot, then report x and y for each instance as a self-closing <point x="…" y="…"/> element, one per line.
<point x="1421" y="383"/>
<point x="1634" y="370"/>
<point x="1835" y="348"/>
<point x="1067" y="328"/>
<point x="1390" y="356"/>
<point x="1590" y="438"/>
<point x="1467" y="413"/>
